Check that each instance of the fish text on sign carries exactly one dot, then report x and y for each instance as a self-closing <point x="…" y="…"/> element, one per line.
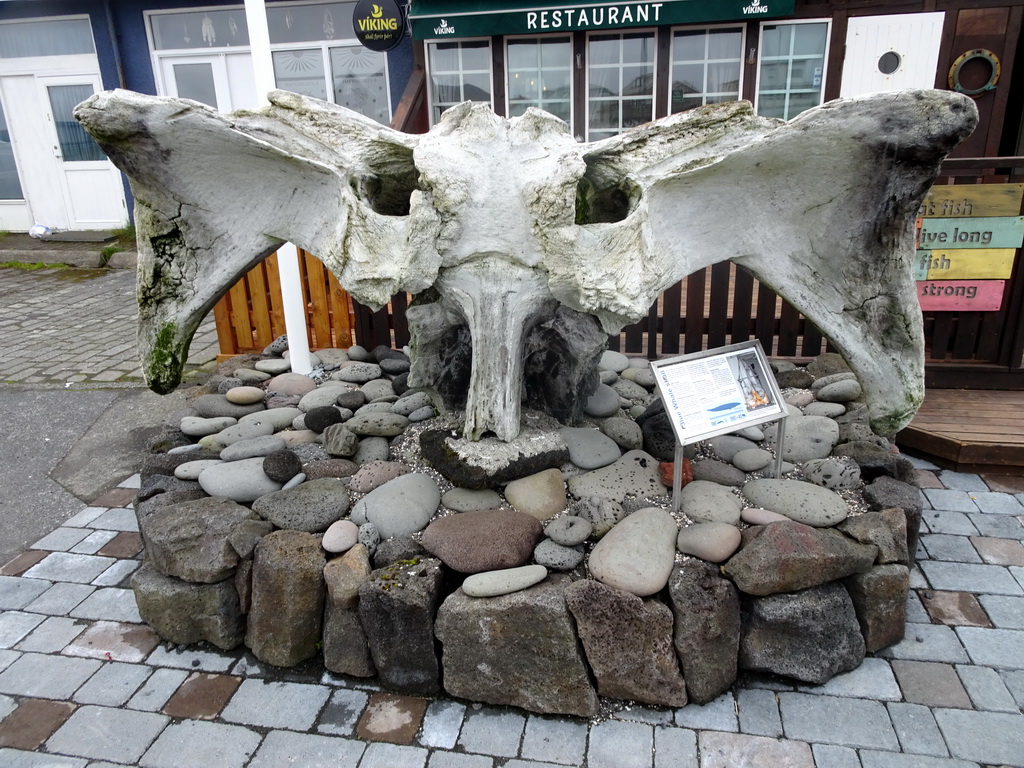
<point x="936" y="262"/>
<point x="957" y="236"/>
<point x="947" y="207"/>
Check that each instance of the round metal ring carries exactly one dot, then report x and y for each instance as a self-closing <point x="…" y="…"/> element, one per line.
<point x="977" y="53"/>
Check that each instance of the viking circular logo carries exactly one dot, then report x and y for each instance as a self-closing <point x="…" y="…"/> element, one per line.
<point x="379" y="24"/>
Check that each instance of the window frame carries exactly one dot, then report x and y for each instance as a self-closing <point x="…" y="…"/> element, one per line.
<point x="742" y="27"/>
<point x="620" y="32"/>
<point x="427" y="63"/>
<point x="824" y="62"/>
<point x="566" y="36"/>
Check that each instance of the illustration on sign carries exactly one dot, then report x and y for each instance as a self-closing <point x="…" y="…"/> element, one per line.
<point x="718" y="391"/>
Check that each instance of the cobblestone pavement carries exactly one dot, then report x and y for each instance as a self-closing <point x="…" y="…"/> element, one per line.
<point x="84" y="683"/>
<point x="76" y="326"/>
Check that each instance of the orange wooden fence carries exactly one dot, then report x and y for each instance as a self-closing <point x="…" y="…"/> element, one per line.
<point x="251" y="315"/>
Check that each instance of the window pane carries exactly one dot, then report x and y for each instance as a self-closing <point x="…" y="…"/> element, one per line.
<point x="637" y="112"/>
<point x="477" y="87"/>
<point x="604" y="114"/>
<point x="689" y="46"/>
<point x="724" y="43"/>
<point x="689" y="78"/>
<point x="699" y="79"/>
<point x="619" y="66"/>
<point x="301" y="71"/>
<point x="195" y="81"/>
<point x="75" y="144"/>
<point x="790" y="81"/>
<point x="10" y="186"/>
<point x="637" y="48"/>
<point x="603" y="50"/>
<point x="199" y="29"/>
<point x="444" y="57"/>
<point x="458" y="72"/>
<point x="724" y="78"/>
<point x="360" y="81"/>
<point x="59" y="37"/>
<point x="476" y="56"/>
<point x="296" y="23"/>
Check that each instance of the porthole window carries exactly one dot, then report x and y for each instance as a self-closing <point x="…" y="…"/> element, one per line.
<point x="889" y="62"/>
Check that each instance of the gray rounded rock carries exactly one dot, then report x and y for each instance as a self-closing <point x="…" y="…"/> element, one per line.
<point x="840" y="392"/>
<point x="504" y="581"/>
<point x="198" y="426"/>
<point x="252" y="447"/>
<point x="706" y="502"/>
<point x="719" y="472"/>
<point x="212" y="406"/>
<point x="410" y="401"/>
<point x="243" y="431"/>
<point x="377" y="424"/>
<point x="403" y="505"/>
<point x="311" y="506"/>
<point x="831" y="410"/>
<point x="714" y="542"/>
<point x="242" y="481"/>
<point x="613" y="361"/>
<point x="569" y="530"/>
<point x="339" y="440"/>
<point x="556" y="556"/>
<point x="358" y="373"/>
<point x="727" y="446"/>
<point x="804" y="502"/>
<point x="466" y="500"/>
<point x="603" y="403"/>
<point x="273" y="365"/>
<point x="752" y="459"/>
<point x="372" y="449"/>
<point x="589" y="448"/>
<point x="281" y="466"/>
<point x="377" y="389"/>
<point x="625" y="432"/>
<point x="278" y="418"/>
<point x="834" y="473"/>
<point x="322" y="396"/>
<point x="422" y="414"/>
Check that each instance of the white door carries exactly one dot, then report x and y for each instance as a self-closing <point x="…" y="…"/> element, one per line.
<point x="90" y="185"/>
<point x="889" y="53"/>
<point x="224" y="81"/>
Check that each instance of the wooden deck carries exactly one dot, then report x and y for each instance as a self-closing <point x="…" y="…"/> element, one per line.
<point x="969" y="430"/>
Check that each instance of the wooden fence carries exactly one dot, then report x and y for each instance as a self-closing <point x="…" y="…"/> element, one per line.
<point x="722" y="304"/>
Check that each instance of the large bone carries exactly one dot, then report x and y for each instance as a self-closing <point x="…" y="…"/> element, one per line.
<point x="500" y="216"/>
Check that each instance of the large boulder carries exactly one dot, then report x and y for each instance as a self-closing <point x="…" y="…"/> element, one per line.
<point x="628" y="642"/>
<point x="811" y="635"/>
<point x="183" y="612"/>
<point x="397" y="606"/>
<point x="707" y="628"/>
<point x="287" y="598"/>
<point x="519" y="650"/>
<point x="880" y="600"/>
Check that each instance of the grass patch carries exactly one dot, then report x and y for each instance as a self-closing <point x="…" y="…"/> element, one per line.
<point x="125" y="237"/>
<point x="30" y="265"/>
<point x="107" y="253"/>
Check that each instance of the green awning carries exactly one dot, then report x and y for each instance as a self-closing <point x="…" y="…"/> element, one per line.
<point x="440" y="19"/>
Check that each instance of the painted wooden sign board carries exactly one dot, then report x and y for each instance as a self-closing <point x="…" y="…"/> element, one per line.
<point x="966" y="200"/>
<point x="961" y="295"/>
<point x="965" y="264"/>
<point x="718" y="391"/>
<point x="983" y="232"/>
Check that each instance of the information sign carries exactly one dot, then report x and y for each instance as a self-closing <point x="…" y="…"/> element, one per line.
<point x="718" y="391"/>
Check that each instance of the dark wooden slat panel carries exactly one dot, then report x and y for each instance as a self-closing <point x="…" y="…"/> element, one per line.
<point x="694" y="325"/>
<point x="671" y="310"/>
<point x="789" y="330"/>
<point x="742" y="305"/>
<point x="718" y="308"/>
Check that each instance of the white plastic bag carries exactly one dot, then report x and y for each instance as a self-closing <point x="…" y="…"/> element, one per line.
<point x="39" y="231"/>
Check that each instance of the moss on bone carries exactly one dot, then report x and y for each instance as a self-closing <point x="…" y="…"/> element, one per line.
<point x="164" y="364"/>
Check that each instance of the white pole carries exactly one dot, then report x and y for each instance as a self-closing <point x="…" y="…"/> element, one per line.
<point x="287" y="255"/>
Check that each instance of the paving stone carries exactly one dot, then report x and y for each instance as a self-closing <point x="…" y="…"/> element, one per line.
<point x="873" y="679"/>
<point x="16" y="593"/>
<point x="1003" y="526"/>
<point x="342" y="712"/>
<point x="954" y="609"/>
<point x="968" y="577"/>
<point x="492" y="731"/>
<point x="759" y="712"/>
<point x="927" y="642"/>
<point x="962" y="481"/>
<point x="674" y="747"/>
<point x="1002" y="648"/>
<point x="997" y="503"/>
<point x="873" y="759"/>
<point x="1014" y="681"/>
<point x="117" y="575"/>
<point x="115" y="497"/>
<point x="717" y="715"/>
<point x="84" y="517"/>
<point x="114" y="641"/>
<point x="727" y="750"/>
<point x="46" y="677"/>
<point x="60" y="598"/>
<point x="93" y="543"/>
<point x="61" y="539"/>
<point x="15" y="625"/>
<point x="931" y="684"/>
<point x="18" y="565"/>
<point x="125" y="544"/>
<point x="944" y="546"/>
<point x="944" y="521"/>
<point x="383" y="755"/>
<point x="985" y="737"/>
<point x="1018" y="574"/>
<point x="916" y="729"/>
<point x="52" y="635"/>
<point x="64" y="566"/>
<point x="643" y="714"/>
<point x="834" y="720"/>
<point x="829" y="756"/>
<point x="33" y="722"/>
<point x="306" y="750"/>
<point x="916" y="612"/>
<point x="191" y="659"/>
<point x="529" y="764"/>
<point x="113" y="684"/>
<point x="442" y="723"/>
<point x="391" y="717"/>
<point x="999" y="551"/>
<point x="202" y="696"/>
<point x="555" y="740"/>
<point x="459" y="760"/>
<point x="617" y="744"/>
<point x="1004" y="612"/>
<point x="107" y="734"/>
<point x="952" y="501"/>
<point x="195" y="744"/>
<point x="109" y="604"/>
<point x="927" y="479"/>
<point x="986" y="689"/>
<point x="157" y="690"/>
<point x="276" y="704"/>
